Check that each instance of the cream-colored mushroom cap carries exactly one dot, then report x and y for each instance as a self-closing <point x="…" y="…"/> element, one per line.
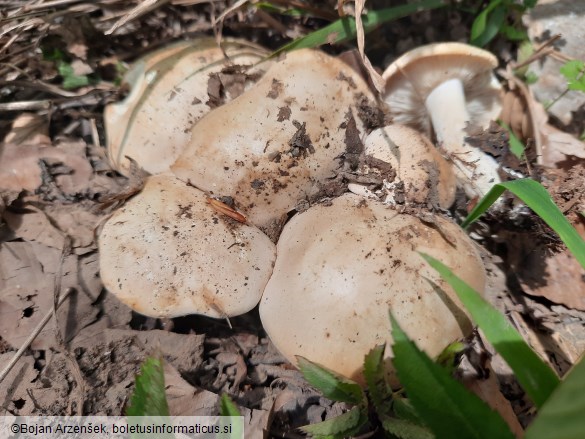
<point x="168" y="253"/>
<point x="413" y="76"/>
<point x="277" y="144"/>
<point x="427" y="177"/>
<point x="341" y="267"/>
<point x="168" y="95"/>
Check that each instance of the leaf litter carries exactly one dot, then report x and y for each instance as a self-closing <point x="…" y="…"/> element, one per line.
<point x="56" y="186"/>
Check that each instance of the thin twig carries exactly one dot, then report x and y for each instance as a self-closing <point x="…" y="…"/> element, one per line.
<point x="539" y="53"/>
<point x="25" y="105"/>
<point x="32" y="336"/>
<point x="142" y="8"/>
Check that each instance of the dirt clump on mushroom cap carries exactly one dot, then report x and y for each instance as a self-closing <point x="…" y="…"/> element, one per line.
<point x="426" y="176"/>
<point x="280" y="142"/>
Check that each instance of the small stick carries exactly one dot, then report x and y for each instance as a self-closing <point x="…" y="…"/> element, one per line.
<point x="32" y="336"/>
<point x="539" y="53"/>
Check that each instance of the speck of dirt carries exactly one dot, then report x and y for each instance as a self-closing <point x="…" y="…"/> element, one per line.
<point x="185" y="211"/>
<point x="300" y="143"/>
<point x="257" y="184"/>
<point x="349" y="80"/>
<point x="353" y="143"/>
<point x="228" y="201"/>
<point x="387" y="172"/>
<point x="227" y="85"/>
<point x="399" y="196"/>
<point x="283" y="114"/>
<point x="371" y="115"/>
<point x="275" y="89"/>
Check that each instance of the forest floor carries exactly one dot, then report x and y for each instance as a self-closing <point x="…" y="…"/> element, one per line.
<point x="55" y="179"/>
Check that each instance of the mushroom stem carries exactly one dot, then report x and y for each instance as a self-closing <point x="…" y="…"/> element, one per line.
<point x="476" y="171"/>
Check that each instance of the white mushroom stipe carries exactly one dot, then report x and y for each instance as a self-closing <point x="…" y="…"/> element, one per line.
<point x="477" y="171"/>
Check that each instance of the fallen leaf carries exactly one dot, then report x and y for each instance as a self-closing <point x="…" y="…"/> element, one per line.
<point x="20" y="169"/>
<point x="14" y="398"/>
<point x="488" y="389"/>
<point x="30" y="128"/>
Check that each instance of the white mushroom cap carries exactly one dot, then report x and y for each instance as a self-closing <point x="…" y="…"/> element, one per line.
<point x="277" y="144"/>
<point x="413" y="76"/>
<point x="427" y="176"/>
<point x="452" y="86"/>
<point x="168" y="253"/>
<point x="341" y="267"/>
<point x="168" y="95"/>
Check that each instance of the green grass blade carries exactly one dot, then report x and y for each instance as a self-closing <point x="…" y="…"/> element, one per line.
<point x="149" y="397"/>
<point x="562" y="415"/>
<point x="403" y="429"/>
<point x="341" y="426"/>
<point x="516" y="146"/>
<point x="333" y="386"/>
<point x="538" y="199"/>
<point x="380" y="391"/>
<point x="492" y="23"/>
<point x="447" y="407"/>
<point x="227" y="407"/>
<point x="534" y="375"/>
<point x="344" y="29"/>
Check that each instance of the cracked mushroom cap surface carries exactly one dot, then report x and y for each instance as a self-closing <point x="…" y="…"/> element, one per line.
<point x="427" y="177"/>
<point x="170" y="90"/>
<point x="167" y="252"/>
<point x="340" y="267"/>
<point x="279" y="142"/>
<point x="414" y="75"/>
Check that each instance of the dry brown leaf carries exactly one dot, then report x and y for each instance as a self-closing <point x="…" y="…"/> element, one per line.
<point x="255" y="422"/>
<point x="34" y="225"/>
<point x="141" y="8"/>
<point x="488" y="390"/>
<point x="20" y="169"/>
<point x="186" y="400"/>
<point x="528" y="119"/>
<point x="77" y="222"/>
<point x="13" y="389"/>
<point x="27" y="279"/>
<point x="31" y="128"/>
<point x="558" y="276"/>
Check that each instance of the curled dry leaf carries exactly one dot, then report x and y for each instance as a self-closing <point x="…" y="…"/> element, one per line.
<point x="529" y="121"/>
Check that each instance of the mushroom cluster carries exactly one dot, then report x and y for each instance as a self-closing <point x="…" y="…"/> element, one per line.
<point x="253" y="204"/>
